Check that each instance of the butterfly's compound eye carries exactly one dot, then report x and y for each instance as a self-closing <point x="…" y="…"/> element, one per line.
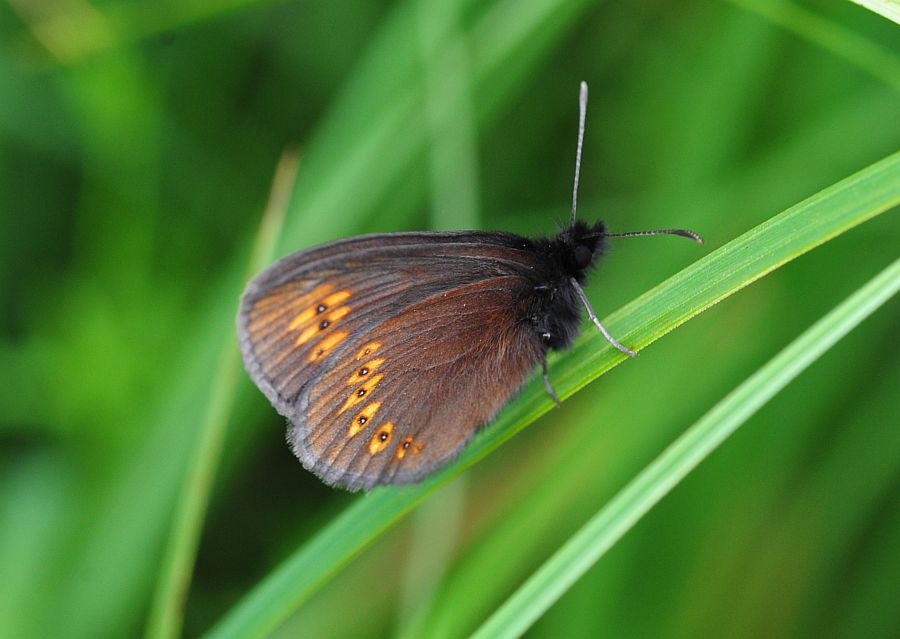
<point x="583" y="256"/>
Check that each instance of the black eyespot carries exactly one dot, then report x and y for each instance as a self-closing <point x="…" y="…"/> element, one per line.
<point x="406" y="444"/>
<point x="383" y="436"/>
<point x="583" y="256"/>
<point x="368" y="350"/>
<point x="361" y="392"/>
<point x="321" y="308"/>
<point x="325" y="324"/>
<point x="362" y="420"/>
<point x="363" y="371"/>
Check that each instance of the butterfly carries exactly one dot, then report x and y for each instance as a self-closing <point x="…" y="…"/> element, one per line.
<point x="387" y="352"/>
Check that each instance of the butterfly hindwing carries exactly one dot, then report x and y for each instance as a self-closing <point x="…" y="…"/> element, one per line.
<point x="387" y="352"/>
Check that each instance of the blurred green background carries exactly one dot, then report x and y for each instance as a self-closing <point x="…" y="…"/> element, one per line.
<point x="138" y="143"/>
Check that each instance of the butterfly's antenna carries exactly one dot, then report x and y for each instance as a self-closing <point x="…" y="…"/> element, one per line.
<point x="582" y="112"/>
<point x="682" y="232"/>
<point x="590" y="309"/>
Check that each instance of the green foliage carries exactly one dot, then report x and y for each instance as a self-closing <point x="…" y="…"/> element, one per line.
<point x="139" y="142"/>
<point x="646" y="319"/>
<point x="605" y="528"/>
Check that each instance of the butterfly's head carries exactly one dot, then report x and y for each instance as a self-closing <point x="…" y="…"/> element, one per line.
<point x="579" y="246"/>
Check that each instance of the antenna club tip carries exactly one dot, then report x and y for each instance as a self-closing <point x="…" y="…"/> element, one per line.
<point x="689" y="234"/>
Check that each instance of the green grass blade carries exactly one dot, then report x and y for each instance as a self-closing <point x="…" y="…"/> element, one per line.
<point x="450" y="115"/>
<point x="167" y="612"/>
<point x="842" y="41"/>
<point x="889" y="9"/>
<point x="713" y="278"/>
<point x="611" y="523"/>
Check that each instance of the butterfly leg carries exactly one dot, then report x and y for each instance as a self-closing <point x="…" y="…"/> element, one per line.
<point x="548" y="386"/>
<point x="590" y="309"/>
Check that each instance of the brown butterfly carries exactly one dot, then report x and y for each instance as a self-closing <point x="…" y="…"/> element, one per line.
<point x="387" y="352"/>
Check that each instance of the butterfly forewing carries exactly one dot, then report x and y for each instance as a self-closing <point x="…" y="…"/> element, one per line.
<point x="387" y="352"/>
